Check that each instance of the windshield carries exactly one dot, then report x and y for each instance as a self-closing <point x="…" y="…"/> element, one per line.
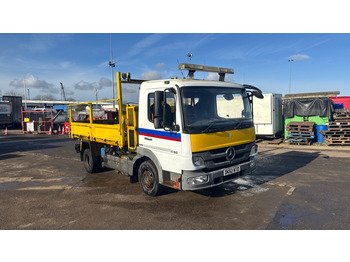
<point x="214" y="109"/>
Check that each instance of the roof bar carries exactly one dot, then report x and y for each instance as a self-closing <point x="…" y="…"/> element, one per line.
<point x="212" y="69"/>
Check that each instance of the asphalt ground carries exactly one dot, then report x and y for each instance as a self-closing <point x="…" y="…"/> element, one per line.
<point x="43" y="185"/>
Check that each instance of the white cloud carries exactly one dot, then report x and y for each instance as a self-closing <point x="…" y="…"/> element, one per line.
<point x="164" y="67"/>
<point x="160" y="65"/>
<point x="65" y="64"/>
<point x="212" y="76"/>
<point x="83" y="85"/>
<point x="145" y="43"/>
<point x="31" y="81"/>
<point x="151" y="75"/>
<point x="215" y="76"/>
<point x="299" y="57"/>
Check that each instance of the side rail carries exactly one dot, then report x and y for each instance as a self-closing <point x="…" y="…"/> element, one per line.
<point x="91" y="121"/>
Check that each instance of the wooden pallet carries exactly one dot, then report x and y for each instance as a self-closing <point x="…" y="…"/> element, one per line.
<point x="342" y="110"/>
<point x="334" y="132"/>
<point x="276" y="141"/>
<point x="300" y="140"/>
<point x="300" y="126"/>
<point x="337" y="142"/>
<point x="334" y="138"/>
<point x="341" y="129"/>
<point x="299" y="132"/>
<point x="341" y="114"/>
<point x="310" y="135"/>
<point x="292" y="142"/>
<point x="341" y="122"/>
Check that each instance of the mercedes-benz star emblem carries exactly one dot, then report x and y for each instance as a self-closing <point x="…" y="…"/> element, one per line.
<point x="230" y="154"/>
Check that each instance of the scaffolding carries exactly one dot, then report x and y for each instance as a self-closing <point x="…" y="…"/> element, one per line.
<point x="37" y="122"/>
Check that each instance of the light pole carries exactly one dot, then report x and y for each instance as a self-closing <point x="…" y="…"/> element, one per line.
<point x="290" y="75"/>
<point x="25" y="94"/>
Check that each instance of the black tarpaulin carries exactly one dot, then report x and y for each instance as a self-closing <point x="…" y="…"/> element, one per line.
<point x="322" y="107"/>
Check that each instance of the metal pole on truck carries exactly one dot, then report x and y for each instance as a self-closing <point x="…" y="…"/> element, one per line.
<point x="120" y="110"/>
<point x="290" y="75"/>
<point x="112" y="64"/>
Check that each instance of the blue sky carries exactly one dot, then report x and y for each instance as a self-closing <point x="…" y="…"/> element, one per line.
<point x="80" y="61"/>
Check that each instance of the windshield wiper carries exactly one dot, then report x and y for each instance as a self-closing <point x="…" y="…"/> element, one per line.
<point x="212" y="122"/>
<point x="238" y="125"/>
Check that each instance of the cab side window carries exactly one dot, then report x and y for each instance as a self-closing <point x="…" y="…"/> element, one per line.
<point x="170" y="108"/>
<point x="150" y="107"/>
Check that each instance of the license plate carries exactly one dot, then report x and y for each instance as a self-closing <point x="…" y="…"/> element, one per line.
<point x="231" y="170"/>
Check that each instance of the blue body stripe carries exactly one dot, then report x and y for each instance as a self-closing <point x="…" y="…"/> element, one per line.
<point x="161" y="134"/>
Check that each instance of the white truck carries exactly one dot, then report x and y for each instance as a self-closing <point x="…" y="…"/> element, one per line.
<point x="187" y="134"/>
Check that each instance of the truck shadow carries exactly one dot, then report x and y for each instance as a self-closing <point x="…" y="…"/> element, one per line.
<point x="269" y="167"/>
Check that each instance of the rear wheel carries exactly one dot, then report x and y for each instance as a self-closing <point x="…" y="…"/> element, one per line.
<point x="91" y="164"/>
<point x="149" y="180"/>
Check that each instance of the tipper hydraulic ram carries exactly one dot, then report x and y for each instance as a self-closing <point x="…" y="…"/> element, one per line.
<point x="187" y="134"/>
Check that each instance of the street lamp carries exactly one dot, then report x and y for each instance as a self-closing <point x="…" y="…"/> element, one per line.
<point x="290" y="75"/>
<point x="25" y="94"/>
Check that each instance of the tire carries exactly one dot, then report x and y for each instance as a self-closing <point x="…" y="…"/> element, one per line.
<point x="91" y="164"/>
<point x="149" y="180"/>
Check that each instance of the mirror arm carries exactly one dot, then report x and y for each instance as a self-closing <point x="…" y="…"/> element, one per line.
<point x="256" y="91"/>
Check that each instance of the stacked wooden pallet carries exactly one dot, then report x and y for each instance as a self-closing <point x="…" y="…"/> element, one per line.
<point x="301" y="133"/>
<point x="338" y="132"/>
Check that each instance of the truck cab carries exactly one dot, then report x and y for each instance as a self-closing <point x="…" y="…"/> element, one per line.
<point x="190" y="134"/>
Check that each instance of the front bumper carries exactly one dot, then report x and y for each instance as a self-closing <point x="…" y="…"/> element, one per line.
<point x="217" y="177"/>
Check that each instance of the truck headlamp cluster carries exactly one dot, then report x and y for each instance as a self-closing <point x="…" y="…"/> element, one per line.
<point x="197" y="180"/>
<point x="254" y="150"/>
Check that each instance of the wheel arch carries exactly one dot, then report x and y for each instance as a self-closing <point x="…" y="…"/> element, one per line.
<point x="145" y="155"/>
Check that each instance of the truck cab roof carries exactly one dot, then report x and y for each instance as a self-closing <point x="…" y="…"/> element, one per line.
<point x="188" y="82"/>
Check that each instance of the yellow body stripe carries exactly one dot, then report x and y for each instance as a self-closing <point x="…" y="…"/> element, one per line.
<point x="203" y="142"/>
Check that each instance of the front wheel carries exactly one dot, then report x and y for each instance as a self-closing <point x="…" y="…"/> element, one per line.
<point x="149" y="180"/>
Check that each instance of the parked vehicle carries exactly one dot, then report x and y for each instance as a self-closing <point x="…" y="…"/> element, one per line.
<point x="5" y="114"/>
<point x="16" y="114"/>
<point x="186" y="134"/>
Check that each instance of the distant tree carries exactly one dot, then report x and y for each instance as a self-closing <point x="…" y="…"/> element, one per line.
<point x="45" y="98"/>
<point x="71" y="99"/>
<point x="13" y="93"/>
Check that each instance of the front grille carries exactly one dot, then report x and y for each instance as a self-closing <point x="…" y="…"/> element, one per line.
<point x="216" y="158"/>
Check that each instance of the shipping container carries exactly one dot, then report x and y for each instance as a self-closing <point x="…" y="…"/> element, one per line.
<point x="267" y="113"/>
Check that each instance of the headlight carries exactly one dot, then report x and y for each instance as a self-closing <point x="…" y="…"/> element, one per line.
<point x="254" y="150"/>
<point x="198" y="161"/>
<point x="197" y="180"/>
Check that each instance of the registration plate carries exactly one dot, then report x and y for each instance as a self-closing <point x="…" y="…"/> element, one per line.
<point x="231" y="170"/>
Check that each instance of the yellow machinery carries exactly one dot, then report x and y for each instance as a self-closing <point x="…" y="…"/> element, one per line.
<point x="115" y="127"/>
